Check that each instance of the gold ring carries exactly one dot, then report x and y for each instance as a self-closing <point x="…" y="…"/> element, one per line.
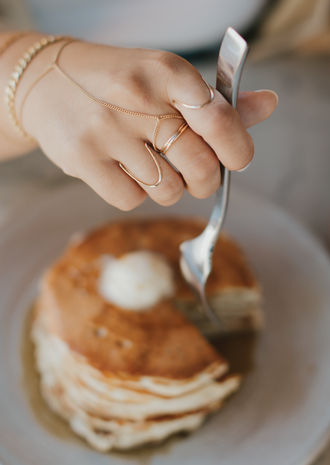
<point x="173" y="138"/>
<point x="196" y="107"/>
<point x="151" y="186"/>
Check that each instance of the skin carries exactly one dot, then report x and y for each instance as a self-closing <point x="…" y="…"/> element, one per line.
<point x="88" y="141"/>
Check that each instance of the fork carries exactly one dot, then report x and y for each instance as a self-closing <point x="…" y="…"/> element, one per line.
<point x="196" y="254"/>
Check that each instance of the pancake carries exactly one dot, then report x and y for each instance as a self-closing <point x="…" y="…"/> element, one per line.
<point x="232" y="288"/>
<point x="121" y="377"/>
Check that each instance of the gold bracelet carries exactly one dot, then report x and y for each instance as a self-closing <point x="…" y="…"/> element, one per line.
<point x="10" y="89"/>
<point x="13" y="38"/>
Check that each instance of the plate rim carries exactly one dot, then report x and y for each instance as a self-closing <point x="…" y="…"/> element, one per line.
<point x="19" y="212"/>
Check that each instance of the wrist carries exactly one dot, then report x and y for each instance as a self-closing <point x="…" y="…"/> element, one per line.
<point x="39" y="57"/>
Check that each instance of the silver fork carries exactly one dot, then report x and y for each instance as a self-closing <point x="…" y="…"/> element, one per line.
<point x="196" y="254"/>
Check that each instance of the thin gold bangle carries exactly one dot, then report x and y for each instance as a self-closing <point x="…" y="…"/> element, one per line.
<point x="10" y="89"/>
<point x="13" y="38"/>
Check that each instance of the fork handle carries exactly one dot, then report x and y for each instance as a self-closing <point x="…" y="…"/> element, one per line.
<point x="233" y="50"/>
<point x="218" y="214"/>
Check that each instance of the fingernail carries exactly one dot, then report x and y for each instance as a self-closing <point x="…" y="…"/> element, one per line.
<point x="271" y="91"/>
<point x="245" y="167"/>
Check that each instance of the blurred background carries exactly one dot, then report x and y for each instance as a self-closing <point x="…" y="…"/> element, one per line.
<point x="290" y="53"/>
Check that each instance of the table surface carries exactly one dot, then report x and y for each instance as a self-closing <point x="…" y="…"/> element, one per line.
<point x="291" y="166"/>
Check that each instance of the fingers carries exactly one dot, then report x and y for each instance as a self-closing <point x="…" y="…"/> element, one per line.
<point x="171" y="188"/>
<point x="192" y="154"/>
<point x="108" y="180"/>
<point x="196" y="161"/>
<point x="192" y="157"/>
<point x="221" y="126"/>
<point x="217" y="131"/>
<point x="218" y="124"/>
<point x="255" y="107"/>
<point x="142" y="167"/>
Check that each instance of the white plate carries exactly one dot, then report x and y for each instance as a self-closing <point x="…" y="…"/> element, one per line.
<point x="281" y="416"/>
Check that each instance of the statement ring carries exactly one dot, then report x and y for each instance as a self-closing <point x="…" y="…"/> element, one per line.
<point x="162" y="152"/>
<point x="151" y="186"/>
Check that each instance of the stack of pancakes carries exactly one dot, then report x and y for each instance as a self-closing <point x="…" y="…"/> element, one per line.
<point x="125" y="378"/>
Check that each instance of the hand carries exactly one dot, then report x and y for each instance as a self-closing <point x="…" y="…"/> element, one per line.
<point x="88" y="141"/>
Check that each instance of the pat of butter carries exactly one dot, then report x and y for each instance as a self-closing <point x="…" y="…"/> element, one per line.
<point x="136" y="281"/>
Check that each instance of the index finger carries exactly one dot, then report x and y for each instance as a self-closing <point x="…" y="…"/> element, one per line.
<point x="217" y="122"/>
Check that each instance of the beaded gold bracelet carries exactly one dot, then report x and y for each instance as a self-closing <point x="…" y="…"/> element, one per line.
<point x="10" y="89"/>
<point x="10" y="41"/>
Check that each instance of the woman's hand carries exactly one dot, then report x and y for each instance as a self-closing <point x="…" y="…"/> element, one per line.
<point x="89" y="141"/>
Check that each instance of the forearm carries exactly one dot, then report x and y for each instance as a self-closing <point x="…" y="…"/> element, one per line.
<point x="13" y="144"/>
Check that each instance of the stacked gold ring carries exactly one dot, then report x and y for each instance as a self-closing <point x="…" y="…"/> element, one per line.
<point x="173" y="138"/>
